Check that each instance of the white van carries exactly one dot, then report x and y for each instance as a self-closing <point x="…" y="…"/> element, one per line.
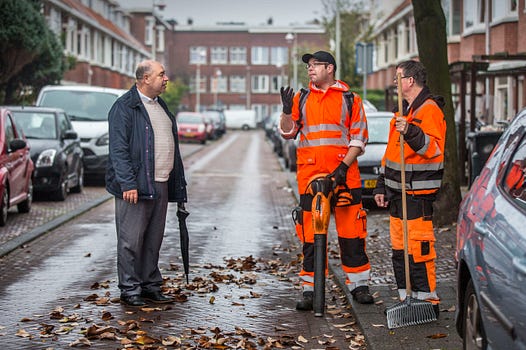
<point x="244" y="119"/>
<point x="87" y="107"/>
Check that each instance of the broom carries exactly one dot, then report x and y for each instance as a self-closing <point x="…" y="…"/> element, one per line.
<point x="411" y="311"/>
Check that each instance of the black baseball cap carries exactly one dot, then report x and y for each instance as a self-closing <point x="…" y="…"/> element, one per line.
<point x="321" y="56"/>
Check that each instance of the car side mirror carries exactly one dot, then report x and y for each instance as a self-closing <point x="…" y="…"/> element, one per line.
<point x="70" y="135"/>
<point x="17" y="144"/>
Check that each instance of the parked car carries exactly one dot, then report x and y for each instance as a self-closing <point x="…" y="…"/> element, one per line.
<point x="87" y="108"/>
<point x="219" y="122"/>
<point x="491" y="248"/>
<point x="191" y="127"/>
<point x="244" y="119"/>
<point x="16" y="168"/>
<point x="55" y="150"/>
<point x="288" y="148"/>
<point x="370" y="162"/>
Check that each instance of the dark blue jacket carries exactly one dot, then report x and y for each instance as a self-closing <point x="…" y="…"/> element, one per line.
<point x="131" y="163"/>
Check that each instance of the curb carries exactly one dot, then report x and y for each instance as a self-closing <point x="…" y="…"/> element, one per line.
<point x="27" y="237"/>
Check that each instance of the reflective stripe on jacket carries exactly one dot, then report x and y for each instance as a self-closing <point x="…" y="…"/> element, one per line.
<point x="423" y="150"/>
<point x="327" y="133"/>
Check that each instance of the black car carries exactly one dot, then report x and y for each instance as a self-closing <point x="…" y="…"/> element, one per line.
<point x="55" y="150"/>
<point x="370" y="162"/>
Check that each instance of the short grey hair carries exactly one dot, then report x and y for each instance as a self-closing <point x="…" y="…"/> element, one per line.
<point x="143" y="68"/>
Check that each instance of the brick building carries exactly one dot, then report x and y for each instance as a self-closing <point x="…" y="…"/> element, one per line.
<point x="241" y="67"/>
<point x="96" y="33"/>
<point x="486" y="53"/>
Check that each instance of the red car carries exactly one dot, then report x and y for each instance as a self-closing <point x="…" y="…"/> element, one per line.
<point x="192" y="126"/>
<point x="16" y="168"/>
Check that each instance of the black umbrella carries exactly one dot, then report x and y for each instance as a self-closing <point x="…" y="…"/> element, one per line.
<point x="182" y="214"/>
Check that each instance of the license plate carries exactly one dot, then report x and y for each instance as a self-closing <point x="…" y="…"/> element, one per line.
<point x="188" y="135"/>
<point x="369" y="183"/>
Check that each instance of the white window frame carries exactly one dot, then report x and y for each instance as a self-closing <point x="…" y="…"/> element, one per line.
<point x="259" y="55"/>
<point x="219" y="55"/>
<point x="159" y="39"/>
<point x="279" y="56"/>
<point x="472" y="11"/>
<point x="218" y="84"/>
<point x="238" y="84"/>
<point x="502" y="11"/>
<point x="202" y="84"/>
<point x="198" y="55"/>
<point x="260" y="84"/>
<point x="148" y="29"/>
<point x="276" y="82"/>
<point x="238" y="55"/>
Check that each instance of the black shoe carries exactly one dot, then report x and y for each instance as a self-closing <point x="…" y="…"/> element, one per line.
<point x="305" y="304"/>
<point x="157" y="297"/>
<point x="132" y="300"/>
<point x="361" y="294"/>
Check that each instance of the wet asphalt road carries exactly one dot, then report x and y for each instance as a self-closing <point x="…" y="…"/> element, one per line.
<point x="60" y="290"/>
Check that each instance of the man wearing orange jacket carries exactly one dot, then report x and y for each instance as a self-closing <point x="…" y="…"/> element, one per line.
<point x="424" y="128"/>
<point x="331" y="138"/>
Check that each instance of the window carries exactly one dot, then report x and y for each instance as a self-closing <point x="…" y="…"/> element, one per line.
<point x="260" y="83"/>
<point x="148" y="30"/>
<point x="197" y="55"/>
<point x="502" y="9"/>
<point x="452" y="12"/>
<point x="218" y="55"/>
<point x="238" y="83"/>
<point x="279" y="56"/>
<point x="260" y="55"/>
<point x="513" y="180"/>
<point x="238" y="55"/>
<point x="261" y="111"/>
<point x="219" y="84"/>
<point x="63" y="124"/>
<point x="474" y="13"/>
<point x="9" y="132"/>
<point x="277" y="81"/>
<point x="202" y="84"/>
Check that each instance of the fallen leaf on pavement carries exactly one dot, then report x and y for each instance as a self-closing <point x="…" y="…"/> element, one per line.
<point x="436" y="336"/>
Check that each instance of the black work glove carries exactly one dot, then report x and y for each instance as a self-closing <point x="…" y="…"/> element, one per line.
<point x="287" y="94"/>
<point x="340" y="174"/>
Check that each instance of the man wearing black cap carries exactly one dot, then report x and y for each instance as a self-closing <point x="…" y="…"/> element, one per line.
<point x="331" y="139"/>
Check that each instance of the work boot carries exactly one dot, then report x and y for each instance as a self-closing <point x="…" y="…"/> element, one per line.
<point x="305" y="304"/>
<point x="361" y="294"/>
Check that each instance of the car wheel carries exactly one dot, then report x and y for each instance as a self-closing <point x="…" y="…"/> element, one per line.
<point x="80" y="180"/>
<point x="4" y="206"/>
<point x="473" y="329"/>
<point x="62" y="192"/>
<point x="25" y="206"/>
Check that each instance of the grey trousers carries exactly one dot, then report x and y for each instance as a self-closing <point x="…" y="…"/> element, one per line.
<point x="140" y="231"/>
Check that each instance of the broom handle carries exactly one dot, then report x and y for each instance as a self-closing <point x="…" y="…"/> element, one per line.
<point x="404" y="199"/>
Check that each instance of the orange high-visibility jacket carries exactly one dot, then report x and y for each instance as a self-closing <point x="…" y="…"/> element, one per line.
<point x="423" y="151"/>
<point x="327" y="132"/>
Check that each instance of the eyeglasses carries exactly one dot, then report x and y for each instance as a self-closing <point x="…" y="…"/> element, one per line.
<point x="314" y="64"/>
<point x="396" y="81"/>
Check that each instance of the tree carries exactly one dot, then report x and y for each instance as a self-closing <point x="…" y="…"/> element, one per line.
<point x="174" y="93"/>
<point x="26" y="40"/>
<point x="431" y="37"/>
<point x="353" y="28"/>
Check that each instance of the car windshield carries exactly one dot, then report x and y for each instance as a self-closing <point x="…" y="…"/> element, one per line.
<point x="37" y="125"/>
<point x="378" y="128"/>
<point x="80" y="105"/>
<point x="189" y="119"/>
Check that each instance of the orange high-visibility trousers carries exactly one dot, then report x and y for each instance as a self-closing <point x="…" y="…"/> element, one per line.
<point x="421" y="245"/>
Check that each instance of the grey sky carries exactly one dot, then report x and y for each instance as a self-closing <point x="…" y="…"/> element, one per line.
<point x="252" y="12"/>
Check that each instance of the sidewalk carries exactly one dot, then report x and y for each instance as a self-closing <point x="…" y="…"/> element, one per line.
<point x="436" y="335"/>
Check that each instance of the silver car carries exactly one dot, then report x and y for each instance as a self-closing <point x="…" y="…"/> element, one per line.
<point x="491" y="248"/>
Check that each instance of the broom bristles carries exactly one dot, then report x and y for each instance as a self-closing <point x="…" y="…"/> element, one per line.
<point x="410" y="312"/>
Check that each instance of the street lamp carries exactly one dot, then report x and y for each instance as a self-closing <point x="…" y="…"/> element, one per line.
<point x="293" y="38"/>
<point x="202" y="54"/>
<point x="218" y="74"/>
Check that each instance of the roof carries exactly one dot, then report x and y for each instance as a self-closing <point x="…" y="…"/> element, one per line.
<point x="98" y="21"/>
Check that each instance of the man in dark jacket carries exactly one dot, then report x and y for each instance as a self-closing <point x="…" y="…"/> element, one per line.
<point x="144" y="173"/>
